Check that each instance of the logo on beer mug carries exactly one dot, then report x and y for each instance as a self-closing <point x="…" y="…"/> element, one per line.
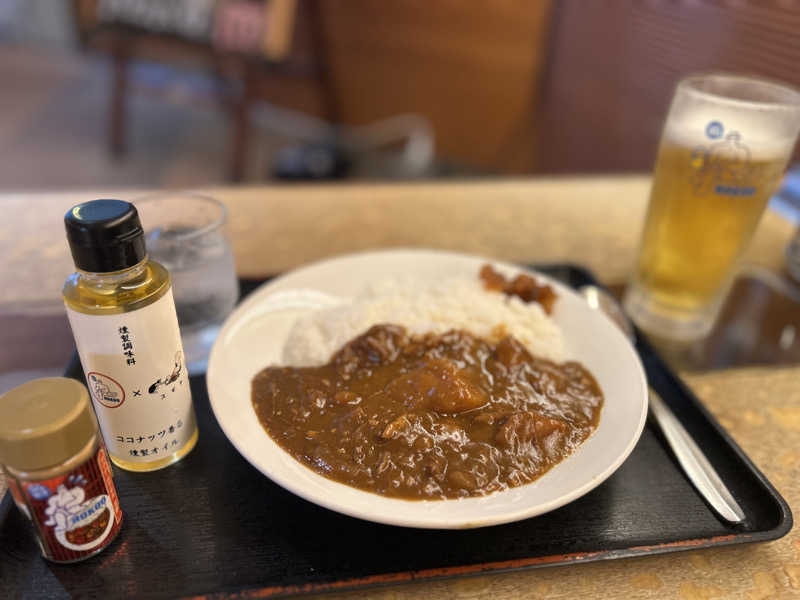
<point x="722" y="168"/>
<point x="714" y="130"/>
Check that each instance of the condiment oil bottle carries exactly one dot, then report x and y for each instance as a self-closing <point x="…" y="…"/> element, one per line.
<point x="123" y="318"/>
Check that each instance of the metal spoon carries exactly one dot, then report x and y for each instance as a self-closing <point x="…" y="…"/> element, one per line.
<point x="696" y="466"/>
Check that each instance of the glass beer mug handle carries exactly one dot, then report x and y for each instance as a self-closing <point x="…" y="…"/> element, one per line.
<point x="793" y="256"/>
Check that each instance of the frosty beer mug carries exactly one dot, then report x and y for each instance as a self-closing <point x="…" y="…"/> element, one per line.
<point x="724" y="147"/>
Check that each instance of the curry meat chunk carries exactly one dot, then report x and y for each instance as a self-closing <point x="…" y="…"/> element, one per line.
<point x="523" y="286"/>
<point x="526" y="427"/>
<point x="440" y="386"/>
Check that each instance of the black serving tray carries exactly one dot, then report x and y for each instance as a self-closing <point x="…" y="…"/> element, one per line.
<point x="214" y="525"/>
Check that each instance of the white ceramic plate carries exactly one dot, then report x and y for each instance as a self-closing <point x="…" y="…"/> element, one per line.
<point x="253" y="338"/>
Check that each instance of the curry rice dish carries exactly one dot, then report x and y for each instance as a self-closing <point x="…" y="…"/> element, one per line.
<point x="435" y="415"/>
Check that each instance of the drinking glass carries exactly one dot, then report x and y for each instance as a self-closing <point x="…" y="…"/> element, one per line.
<point x="723" y="150"/>
<point x="185" y="232"/>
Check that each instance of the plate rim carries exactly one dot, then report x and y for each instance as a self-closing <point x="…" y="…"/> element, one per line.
<point x="255" y="297"/>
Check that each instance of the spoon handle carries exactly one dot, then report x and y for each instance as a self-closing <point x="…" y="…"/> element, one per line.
<point x="694" y="463"/>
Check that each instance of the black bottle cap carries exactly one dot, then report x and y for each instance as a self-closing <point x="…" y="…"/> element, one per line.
<point x="105" y="235"/>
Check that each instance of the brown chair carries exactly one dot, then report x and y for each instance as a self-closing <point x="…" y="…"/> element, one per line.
<point x="292" y="50"/>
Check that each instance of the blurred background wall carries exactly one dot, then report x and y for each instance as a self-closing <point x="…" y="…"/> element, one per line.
<point x="613" y="65"/>
<point x="190" y="92"/>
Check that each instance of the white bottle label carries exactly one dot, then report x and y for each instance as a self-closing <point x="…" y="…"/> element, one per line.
<point x="137" y="379"/>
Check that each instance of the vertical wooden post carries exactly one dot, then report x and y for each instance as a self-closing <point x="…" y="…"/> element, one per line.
<point x="322" y="67"/>
<point x="119" y="88"/>
<point x="240" y="108"/>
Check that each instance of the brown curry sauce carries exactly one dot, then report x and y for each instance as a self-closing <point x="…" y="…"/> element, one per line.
<point x="429" y="417"/>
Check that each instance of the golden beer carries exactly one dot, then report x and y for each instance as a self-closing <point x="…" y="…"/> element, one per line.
<point x="704" y="207"/>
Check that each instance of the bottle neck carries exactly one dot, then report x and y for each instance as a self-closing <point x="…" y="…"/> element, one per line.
<point x="114" y="278"/>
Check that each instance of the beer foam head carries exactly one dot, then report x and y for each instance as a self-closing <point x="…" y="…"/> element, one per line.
<point x="761" y="115"/>
<point x="703" y="128"/>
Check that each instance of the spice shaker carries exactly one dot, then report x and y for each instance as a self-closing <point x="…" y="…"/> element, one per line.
<point x="123" y="318"/>
<point x="57" y="469"/>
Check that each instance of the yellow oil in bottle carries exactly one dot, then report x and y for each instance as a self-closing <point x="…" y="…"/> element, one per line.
<point x="117" y="292"/>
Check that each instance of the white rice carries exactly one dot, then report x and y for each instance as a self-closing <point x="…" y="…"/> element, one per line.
<point x="455" y="303"/>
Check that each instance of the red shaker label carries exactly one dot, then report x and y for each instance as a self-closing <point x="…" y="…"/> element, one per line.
<point x="75" y="514"/>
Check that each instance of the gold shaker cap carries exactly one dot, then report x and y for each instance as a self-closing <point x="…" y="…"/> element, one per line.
<point x="44" y="422"/>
